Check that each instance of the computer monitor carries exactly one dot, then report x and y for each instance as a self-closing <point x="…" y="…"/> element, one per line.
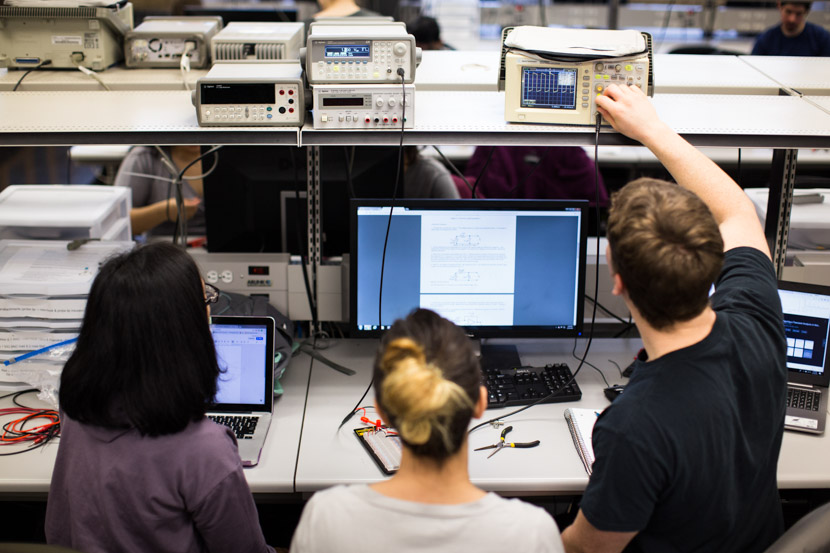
<point x="498" y="268"/>
<point x="245" y="11"/>
<point x="251" y="197"/>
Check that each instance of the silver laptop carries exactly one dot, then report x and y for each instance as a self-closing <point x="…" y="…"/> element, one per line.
<point x="806" y="323"/>
<point x="245" y="391"/>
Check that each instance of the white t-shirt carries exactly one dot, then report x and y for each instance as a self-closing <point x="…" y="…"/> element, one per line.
<point x="358" y="519"/>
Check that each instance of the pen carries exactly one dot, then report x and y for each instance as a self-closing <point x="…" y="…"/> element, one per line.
<point x="38" y="351"/>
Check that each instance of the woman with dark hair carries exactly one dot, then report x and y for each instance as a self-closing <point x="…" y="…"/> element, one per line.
<point x="428" y="387"/>
<point x="139" y="467"/>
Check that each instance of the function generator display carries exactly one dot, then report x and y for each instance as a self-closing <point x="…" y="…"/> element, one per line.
<point x="340" y="51"/>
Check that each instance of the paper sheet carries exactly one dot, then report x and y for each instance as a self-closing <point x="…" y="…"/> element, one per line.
<point x="48" y="269"/>
<point x="15" y="342"/>
<point x="42" y="324"/>
<point x="42" y="308"/>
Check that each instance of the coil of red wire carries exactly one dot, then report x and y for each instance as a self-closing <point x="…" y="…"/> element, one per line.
<point x="32" y="426"/>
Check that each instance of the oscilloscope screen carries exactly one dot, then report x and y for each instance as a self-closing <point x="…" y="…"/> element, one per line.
<point x="549" y="87"/>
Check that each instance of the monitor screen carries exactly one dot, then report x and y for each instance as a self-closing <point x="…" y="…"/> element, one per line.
<point x="255" y="198"/>
<point x="244" y="11"/>
<point x="498" y="268"/>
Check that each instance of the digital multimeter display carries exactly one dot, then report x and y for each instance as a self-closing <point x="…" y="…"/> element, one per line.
<point x="238" y="93"/>
<point x="337" y="51"/>
<point x="549" y="87"/>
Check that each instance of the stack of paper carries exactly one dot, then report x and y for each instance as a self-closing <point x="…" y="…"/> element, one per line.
<point x="43" y="290"/>
<point x="65" y="212"/>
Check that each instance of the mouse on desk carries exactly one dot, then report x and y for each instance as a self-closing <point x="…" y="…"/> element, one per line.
<point x="613" y="392"/>
<point x="641" y="356"/>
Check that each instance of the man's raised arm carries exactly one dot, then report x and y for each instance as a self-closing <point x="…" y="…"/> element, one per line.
<point x="630" y="112"/>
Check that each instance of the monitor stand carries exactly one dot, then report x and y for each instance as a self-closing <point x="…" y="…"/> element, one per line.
<point x="499" y="357"/>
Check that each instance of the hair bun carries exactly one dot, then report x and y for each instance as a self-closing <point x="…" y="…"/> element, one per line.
<point x="400" y="349"/>
<point x="416" y="394"/>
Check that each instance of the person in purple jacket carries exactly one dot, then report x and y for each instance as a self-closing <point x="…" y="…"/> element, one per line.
<point x="139" y="467"/>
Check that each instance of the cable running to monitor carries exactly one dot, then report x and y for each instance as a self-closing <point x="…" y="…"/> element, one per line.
<point x="596" y="291"/>
<point x="401" y="74"/>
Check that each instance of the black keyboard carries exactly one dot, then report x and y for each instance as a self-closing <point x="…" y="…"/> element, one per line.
<point x="803" y="399"/>
<point x="242" y="426"/>
<point x="525" y="385"/>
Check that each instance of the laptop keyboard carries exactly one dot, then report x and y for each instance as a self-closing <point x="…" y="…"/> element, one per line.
<point x="523" y="386"/>
<point x="242" y="426"/>
<point x="803" y="399"/>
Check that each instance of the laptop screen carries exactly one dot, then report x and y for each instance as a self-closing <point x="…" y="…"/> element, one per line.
<point x="806" y="323"/>
<point x="242" y="349"/>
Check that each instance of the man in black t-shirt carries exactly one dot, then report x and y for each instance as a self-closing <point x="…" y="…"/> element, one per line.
<point x="686" y="459"/>
<point x="794" y="36"/>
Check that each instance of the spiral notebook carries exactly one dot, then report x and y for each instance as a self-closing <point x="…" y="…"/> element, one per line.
<point x="581" y="424"/>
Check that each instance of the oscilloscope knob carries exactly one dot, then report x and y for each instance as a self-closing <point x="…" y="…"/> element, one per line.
<point x="399" y="49"/>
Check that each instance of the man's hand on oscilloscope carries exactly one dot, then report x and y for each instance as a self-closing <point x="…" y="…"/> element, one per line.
<point x="630" y="112"/>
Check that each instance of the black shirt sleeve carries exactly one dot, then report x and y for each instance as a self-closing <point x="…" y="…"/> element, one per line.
<point x="747" y="284"/>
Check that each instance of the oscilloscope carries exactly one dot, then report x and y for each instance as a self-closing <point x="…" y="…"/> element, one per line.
<point x="549" y="80"/>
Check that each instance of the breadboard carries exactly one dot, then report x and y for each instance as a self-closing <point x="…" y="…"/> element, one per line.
<point x="384" y="448"/>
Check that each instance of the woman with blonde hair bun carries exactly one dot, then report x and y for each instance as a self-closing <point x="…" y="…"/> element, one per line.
<point x="428" y="387"/>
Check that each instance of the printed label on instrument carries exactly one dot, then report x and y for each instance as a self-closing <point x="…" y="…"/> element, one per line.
<point x="66" y="39"/>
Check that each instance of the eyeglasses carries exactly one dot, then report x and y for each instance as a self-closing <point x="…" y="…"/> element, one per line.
<point x="211" y="294"/>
